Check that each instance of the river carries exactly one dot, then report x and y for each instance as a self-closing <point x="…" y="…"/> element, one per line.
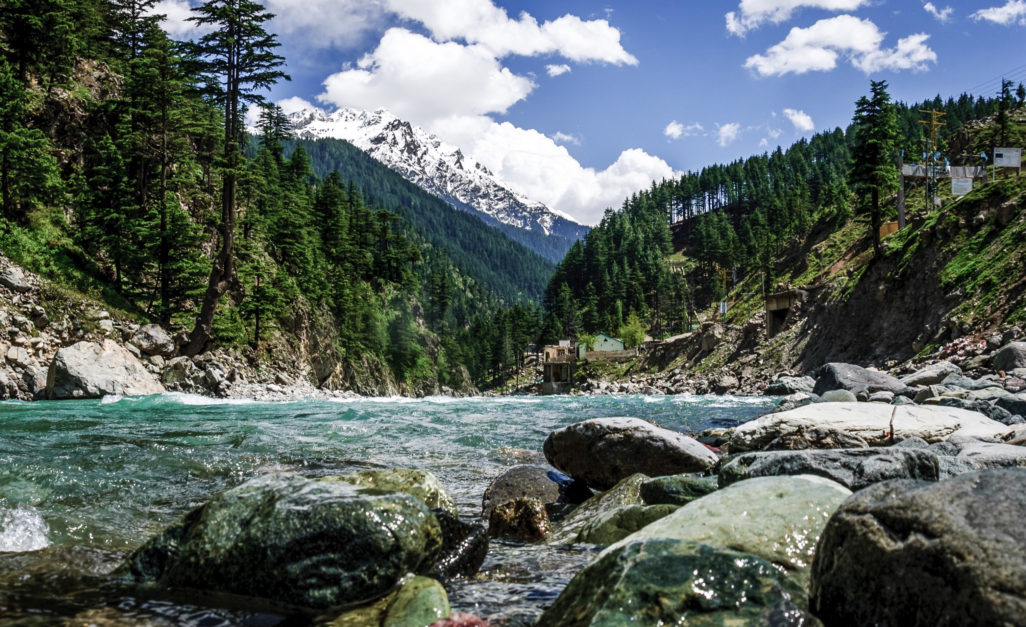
<point x="82" y="483"/>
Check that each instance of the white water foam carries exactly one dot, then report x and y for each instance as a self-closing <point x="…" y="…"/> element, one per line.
<point x="22" y="529"/>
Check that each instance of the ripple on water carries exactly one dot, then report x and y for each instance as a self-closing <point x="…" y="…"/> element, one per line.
<point x="22" y="528"/>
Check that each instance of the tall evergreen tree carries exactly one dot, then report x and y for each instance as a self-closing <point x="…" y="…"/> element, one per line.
<point x="239" y="60"/>
<point x="875" y="133"/>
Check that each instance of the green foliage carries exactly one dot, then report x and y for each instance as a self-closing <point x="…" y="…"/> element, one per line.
<point x="633" y="332"/>
<point x="875" y="152"/>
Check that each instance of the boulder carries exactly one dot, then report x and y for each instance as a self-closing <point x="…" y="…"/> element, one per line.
<point x="603" y="451"/>
<point x="523" y="481"/>
<point x="817" y="438"/>
<point x="152" y="339"/>
<point x="994" y="412"/>
<point x="418" y="602"/>
<point x="978" y="455"/>
<point x="464" y="547"/>
<point x="461" y="619"/>
<point x="676" y="582"/>
<point x="875" y="423"/>
<point x="855" y="379"/>
<point x="419" y="483"/>
<point x="676" y="489"/>
<point x="932" y="374"/>
<point x="779" y="519"/>
<point x="785" y="386"/>
<point x="853" y="468"/>
<point x="1012" y="356"/>
<point x="14" y="279"/>
<point x="627" y="492"/>
<point x="1015" y="405"/>
<point x="839" y="396"/>
<point x="914" y="553"/>
<point x="616" y="524"/>
<point x="91" y="370"/>
<point x="524" y="520"/>
<point x="182" y="375"/>
<point x="302" y="542"/>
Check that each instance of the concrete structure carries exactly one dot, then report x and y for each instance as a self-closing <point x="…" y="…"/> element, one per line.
<point x="558" y="368"/>
<point x="778" y="306"/>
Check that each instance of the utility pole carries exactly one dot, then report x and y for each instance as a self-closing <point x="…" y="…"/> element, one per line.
<point x="934" y="125"/>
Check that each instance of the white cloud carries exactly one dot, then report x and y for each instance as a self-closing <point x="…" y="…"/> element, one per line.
<point x="542" y="170"/>
<point x="818" y="47"/>
<point x="763" y="143"/>
<point x="565" y="138"/>
<point x="674" y="130"/>
<point x="752" y="14"/>
<point x="557" y="70"/>
<point x="728" y="133"/>
<point x="942" y="15"/>
<point x="294" y="104"/>
<point x="481" y="22"/>
<point x="802" y="121"/>
<point x="1011" y="12"/>
<point x="774" y="132"/>
<point x="176" y="18"/>
<point x="323" y="23"/>
<point x="422" y="80"/>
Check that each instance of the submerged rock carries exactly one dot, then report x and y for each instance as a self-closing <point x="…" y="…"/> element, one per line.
<point x="627" y="492"/>
<point x="616" y="524"/>
<point x="779" y="519"/>
<point x="518" y="482"/>
<point x="603" y="451"/>
<point x="302" y="542"/>
<point x="913" y="553"/>
<point x="875" y="423"/>
<point x="525" y="520"/>
<point x="418" y="602"/>
<point x="677" y="582"/>
<point x="91" y="370"/>
<point x="419" y="483"/>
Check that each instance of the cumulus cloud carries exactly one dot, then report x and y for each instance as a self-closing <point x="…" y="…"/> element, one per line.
<point x="802" y="121"/>
<point x="481" y="22"/>
<point x="728" y="133"/>
<point x="423" y="80"/>
<point x="817" y="48"/>
<point x="294" y="104"/>
<point x="1011" y="12"/>
<point x="752" y="14"/>
<point x="176" y="18"/>
<point x="557" y="70"/>
<point x="942" y="15"/>
<point x="325" y="23"/>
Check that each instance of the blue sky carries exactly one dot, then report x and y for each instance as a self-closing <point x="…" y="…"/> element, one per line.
<point x="577" y="104"/>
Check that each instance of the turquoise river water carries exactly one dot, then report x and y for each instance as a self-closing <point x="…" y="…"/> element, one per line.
<point x="82" y="483"/>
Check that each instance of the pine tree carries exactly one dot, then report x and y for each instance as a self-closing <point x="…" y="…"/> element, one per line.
<point x="239" y="60"/>
<point x="875" y="132"/>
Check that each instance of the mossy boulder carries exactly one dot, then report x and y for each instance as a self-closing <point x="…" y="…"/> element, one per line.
<point x="617" y="524"/>
<point x="778" y="519"/>
<point x="420" y="483"/>
<point x="419" y="602"/>
<point x="677" y="582"/>
<point x="676" y="489"/>
<point x="306" y="543"/>
<point x="627" y="492"/>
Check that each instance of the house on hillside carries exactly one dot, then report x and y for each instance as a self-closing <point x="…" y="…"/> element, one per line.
<point x="558" y="368"/>
<point x="603" y="344"/>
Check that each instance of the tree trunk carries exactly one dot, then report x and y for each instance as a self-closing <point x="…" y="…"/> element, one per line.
<point x="163" y="255"/>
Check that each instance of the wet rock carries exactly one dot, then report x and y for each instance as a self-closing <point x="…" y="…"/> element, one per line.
<point x="932" y="374"/>
<point x="779" y="519"/>
<point x="152" y="339"/>
<point x="1012" y="356"/>
<point x="91" y="370"/>
<point x="875" y="423"/>
<point x="627" y="492"/>
<point x="913" y="553"/>
<point x="464" y="547"/>
<point x="785" y="386"/>
<point x="419" y="601"/>
<point x="419" y="483"/>
<point x="460" y="619"/>
<point x="676" y="489"/>
<point x="676" y="582"/>
<point x="603" y="451"/>
<point x="523" y="481"/>
<point x="853" y="468"/>
<point x="616" y="524"/>
<point x="815" y="438"/>
<point x="307" y="543"/>
<point x="524" y="520"/>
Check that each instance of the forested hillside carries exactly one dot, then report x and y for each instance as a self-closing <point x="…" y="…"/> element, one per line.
<point x="678" y="247"/>
<point x="124" y="181"/>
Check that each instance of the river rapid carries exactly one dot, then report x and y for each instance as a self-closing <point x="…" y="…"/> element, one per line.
<point x="82" y="483"/>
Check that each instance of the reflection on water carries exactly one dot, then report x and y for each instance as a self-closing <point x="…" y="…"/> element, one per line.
<point x="88" y="481"/>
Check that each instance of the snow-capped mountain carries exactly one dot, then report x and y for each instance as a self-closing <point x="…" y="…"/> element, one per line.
<point x="443" y="170"/>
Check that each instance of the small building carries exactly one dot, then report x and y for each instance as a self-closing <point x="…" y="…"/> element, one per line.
<point x="603" y="344"/>
<point x="558" y="368"/>
<point x="778" y="306"/>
